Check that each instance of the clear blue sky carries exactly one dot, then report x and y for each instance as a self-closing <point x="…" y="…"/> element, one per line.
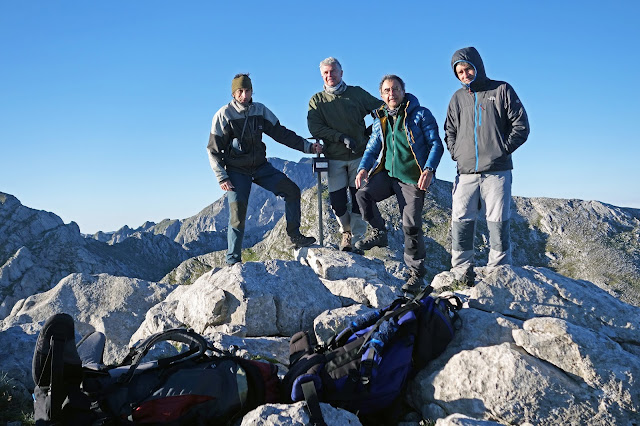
<point x="106" y="107"/>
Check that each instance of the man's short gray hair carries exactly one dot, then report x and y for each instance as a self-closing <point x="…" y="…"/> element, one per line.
<point x="331" y="61"/>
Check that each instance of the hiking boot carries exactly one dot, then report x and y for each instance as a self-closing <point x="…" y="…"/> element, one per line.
<point x="465" y="281"/>
<point x="468" y="278"/>
<point x="345" y="244"/>
<point x="299" y="241"/>
<point x="414" y="283"/>
<point x="377" y="238"/>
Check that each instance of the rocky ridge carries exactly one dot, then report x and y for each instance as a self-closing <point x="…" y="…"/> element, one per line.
<point x="547" y="341"/>
<point x="534" y="347"/>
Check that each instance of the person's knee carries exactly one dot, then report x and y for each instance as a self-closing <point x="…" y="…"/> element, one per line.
<point x="499" y="235"/>
<point x="339" y="201"/>
<point x="237" y="215"/>
<point x="462" y="235"/>
<point x="288" y="189"/>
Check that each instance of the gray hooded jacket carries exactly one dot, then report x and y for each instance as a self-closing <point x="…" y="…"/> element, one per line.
<point x="486" y="122"/>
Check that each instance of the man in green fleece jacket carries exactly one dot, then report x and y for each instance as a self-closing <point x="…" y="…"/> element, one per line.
<point x="336" y="116"/>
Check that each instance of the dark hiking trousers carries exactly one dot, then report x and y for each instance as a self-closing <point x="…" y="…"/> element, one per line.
<point x="410" y="201"/>
<point x="270" y="179"/>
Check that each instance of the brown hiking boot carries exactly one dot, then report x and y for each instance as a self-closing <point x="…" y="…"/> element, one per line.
<point x="345" y="244"/>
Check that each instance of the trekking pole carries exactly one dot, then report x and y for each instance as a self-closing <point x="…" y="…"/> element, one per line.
<point x="320" y="164"/>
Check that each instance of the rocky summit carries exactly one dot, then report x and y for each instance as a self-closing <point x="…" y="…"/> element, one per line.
<point x="552" y="339"/>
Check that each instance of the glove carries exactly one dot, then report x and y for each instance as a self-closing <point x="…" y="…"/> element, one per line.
<point x="349" y="143"/>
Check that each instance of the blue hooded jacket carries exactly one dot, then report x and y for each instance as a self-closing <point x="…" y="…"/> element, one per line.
<point x="422" y="133"/>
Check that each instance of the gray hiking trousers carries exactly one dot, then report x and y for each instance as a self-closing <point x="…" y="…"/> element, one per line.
<point x="472" y="193"/>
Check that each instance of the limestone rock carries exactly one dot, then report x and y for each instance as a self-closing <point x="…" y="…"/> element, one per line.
<point x="333" y="321"/>
<point x="592" y="357"/>
<point x="500" y="383"/>
<point x="462" y="420"/>
<point x="525" y="293"/>
<point x="296" y="414"/>
<point x="274" y="298"/>
<point x="115" y="306"/>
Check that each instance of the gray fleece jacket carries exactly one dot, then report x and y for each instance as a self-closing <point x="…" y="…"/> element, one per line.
<point x="235" y="141"/>
<point x="486" y="122"/>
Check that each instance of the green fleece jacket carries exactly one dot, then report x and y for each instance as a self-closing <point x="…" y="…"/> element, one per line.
<point x="331" y="116"/>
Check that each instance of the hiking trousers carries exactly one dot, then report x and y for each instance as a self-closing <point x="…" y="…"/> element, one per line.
<point x="342" y="175"/>
<point x="270" y="179"/>
<point x="410" y="201"/>
<point x="472" y="193"/>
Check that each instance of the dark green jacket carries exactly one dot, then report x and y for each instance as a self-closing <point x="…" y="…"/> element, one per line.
<point x="331" y="116"/>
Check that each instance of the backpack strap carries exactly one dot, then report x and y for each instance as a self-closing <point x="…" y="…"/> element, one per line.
<point x="197" y="347"/>
<point x="57" y="343"/>
<point x="426" y="290"/>
<point x="391" y="313"/>
<point x="313" y="404"/>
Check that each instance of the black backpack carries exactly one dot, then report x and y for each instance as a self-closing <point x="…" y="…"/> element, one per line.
<point x="365" y="367"/>
<point x="200" y="386"/>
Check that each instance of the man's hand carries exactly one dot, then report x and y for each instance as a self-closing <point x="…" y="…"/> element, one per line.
<point x="316" y="148"/>
<point x="360" y="178"/>
<point x="425" y="180"/>
<point x="226" y="185"/>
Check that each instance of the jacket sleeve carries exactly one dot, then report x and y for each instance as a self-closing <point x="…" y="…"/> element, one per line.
<point x="374" y="146"/>
<point x="518" y="120"/>
<point x="218" y="145"/>
<point x="281" y="134"/>
<point x="318" y="126"/>
<point x="429" y="129"/>
<point x="371" y="103"/>
<point x="451" y="127"/>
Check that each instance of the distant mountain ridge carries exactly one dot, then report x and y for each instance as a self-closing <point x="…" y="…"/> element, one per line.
<point x="207" y="230"/>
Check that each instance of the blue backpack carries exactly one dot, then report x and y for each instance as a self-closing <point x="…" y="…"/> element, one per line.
<point x="365" y="367"/>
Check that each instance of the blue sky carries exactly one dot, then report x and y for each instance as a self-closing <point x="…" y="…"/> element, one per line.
<point x="106" y="107"/>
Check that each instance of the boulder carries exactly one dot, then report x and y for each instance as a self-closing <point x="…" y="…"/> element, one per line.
<point x="296" y="414"/>
<point x="272" y="298"/>
<point x="115" y="306"/>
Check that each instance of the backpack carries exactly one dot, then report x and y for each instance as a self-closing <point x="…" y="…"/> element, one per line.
<point x="200" y="386"/>
<point x="365" y="367"/>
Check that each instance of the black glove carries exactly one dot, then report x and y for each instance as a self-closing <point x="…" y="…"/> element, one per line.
<point x="349" y="143"/>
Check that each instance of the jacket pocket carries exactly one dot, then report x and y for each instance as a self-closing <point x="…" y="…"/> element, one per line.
<point x="236" y="146"/>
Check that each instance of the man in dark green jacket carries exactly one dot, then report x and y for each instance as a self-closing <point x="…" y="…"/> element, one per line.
<point x="336" y="116"/>
<point x="401" y="158"/>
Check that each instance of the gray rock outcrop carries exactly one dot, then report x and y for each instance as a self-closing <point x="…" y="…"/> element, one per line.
<point x="536" y="347"/>
<point x="296" y="414"/>
<point x="549" y="340"/>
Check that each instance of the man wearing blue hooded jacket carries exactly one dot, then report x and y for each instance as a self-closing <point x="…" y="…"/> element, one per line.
<point x="405" y="140"/>
<point x="485" y="124"/>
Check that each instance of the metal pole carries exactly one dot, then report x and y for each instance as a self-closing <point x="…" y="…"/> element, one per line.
<point x="320" y="230"/>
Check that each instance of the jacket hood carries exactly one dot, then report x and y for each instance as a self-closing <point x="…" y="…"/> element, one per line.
<point x="470" y="55"/>
<point x="412" y="103"/>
